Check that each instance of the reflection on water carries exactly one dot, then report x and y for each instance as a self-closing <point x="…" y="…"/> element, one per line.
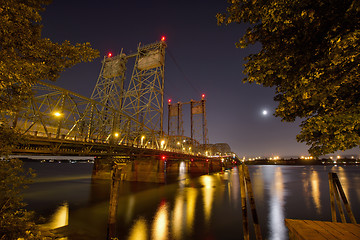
<point x="208" y="195"/>
<point x="161" y="223"/>
<point x="60" y="218"/>
<point x="130" y="209"/>
<point x="207" y="207"/>
<point x="258" y="183"/>
<point x="315" y="187"/>
<point x="234" y="188"/>
<point x="182" y="170"/>
<point x="177" y="219"/>
<point x="343" y="180"/>
<point x="276" y="205"/>
<point x="191" y="195"/>
<point x="139" y="230"/>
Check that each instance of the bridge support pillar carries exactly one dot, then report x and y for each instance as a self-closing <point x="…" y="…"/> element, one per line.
<point x="148" y="169"/>
<point x="102" y="167"/>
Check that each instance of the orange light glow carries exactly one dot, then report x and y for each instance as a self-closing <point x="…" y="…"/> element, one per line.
<point x="163" y="38"/>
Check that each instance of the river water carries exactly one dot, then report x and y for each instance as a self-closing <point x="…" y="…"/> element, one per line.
<point x="205" y="207"/>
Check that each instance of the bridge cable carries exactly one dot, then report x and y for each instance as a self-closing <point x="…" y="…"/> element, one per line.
<point x="182" y="72"/>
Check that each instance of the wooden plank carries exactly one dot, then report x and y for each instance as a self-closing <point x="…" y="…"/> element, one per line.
<point x="346" y="230"/>
<point x="314" y="230"/>
<point x="324" y="230"/>
<point x="303" y="230"/>
<point x="354" y="229"/>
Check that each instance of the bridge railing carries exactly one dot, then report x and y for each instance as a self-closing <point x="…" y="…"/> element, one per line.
<point x="54" y="112"/>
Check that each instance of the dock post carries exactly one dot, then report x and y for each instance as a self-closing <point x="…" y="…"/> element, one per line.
<point x="343" y="197"/>
<point x="243" y="203"/>
<point x="337" y="200"/>
<point x="332" y="201"/>
<point x="113" y="202"/>
<point x="252" y="203"/>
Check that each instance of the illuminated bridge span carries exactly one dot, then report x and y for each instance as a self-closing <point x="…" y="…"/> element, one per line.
<point x="121" y="122"/>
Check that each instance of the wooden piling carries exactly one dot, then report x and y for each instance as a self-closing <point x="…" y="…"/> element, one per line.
<point x="332" y="201"/>
<point x="252" y="203"/>
<point x="243" y="204"/>
<point x="336" y="182"/>
<point x="113" y="202"/>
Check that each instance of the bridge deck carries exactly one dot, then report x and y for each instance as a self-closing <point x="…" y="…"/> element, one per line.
<point x="321" y="230"/>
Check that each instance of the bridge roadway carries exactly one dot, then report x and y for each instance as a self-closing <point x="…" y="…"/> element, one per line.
<point x="136" y="163"/>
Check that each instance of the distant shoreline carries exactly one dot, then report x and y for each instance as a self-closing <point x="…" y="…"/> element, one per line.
<point x="298" y="161"/>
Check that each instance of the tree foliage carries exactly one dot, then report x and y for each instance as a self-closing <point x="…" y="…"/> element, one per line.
<point x="25" y="56"/>
<point x="311" y="55"/>
<point x="15" y="222"/>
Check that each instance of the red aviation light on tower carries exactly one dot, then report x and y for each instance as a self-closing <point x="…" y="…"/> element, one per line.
<point x="163" y="157"/>
<point x="109" y="54"/>
<point x="169" y="101"/>
<point x="202" y="96"/>
<point x="163" y="38"/>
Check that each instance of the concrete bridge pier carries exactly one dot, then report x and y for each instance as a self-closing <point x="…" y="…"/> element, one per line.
<point x="149" y="169"/>
<point x="155" y="169"/>
<point x="102" y="167"/>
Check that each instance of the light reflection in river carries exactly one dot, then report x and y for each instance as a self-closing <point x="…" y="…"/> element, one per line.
<point x="161" y="222"/>
<point x="277" y="216"/>
<point x="139" y="230"/>
<point x="258" y="183"/>
<point x="315" y="187"/>
<point x="208" y="195"/>
<point x="234" y="188"/>
<point x="182" y="170"/>
<point x="200" y="208"/>
<point x="60" y="218"/>
<point x="343" y="181"/>
<point x="130" y="209"/>
<point x="177" y="218"/>
<point x="191" y="196"/>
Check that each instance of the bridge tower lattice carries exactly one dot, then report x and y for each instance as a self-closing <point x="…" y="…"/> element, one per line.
<point x="109" y="91"/>
<point x="175" y="122"/>
<point x="144" y="95"/>
<point x="198" y="121"/>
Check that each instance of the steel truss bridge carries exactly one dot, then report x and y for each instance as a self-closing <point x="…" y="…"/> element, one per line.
<point x="120" y="117"/>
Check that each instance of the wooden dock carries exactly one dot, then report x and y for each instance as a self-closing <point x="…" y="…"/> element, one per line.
<point x="321" y="230"/>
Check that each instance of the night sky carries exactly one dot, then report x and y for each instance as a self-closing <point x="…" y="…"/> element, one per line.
<point x="206" y="61"/>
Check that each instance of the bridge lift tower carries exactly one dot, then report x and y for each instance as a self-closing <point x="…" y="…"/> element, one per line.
<point x="198" y="127"/>
<point x="198" y="121"/>
<point x="141" y="98"/>
<point x="144" y="96"/>
<point x="109" y="91"/>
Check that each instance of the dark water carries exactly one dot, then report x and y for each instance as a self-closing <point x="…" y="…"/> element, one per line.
<point x="207" y="207"/>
